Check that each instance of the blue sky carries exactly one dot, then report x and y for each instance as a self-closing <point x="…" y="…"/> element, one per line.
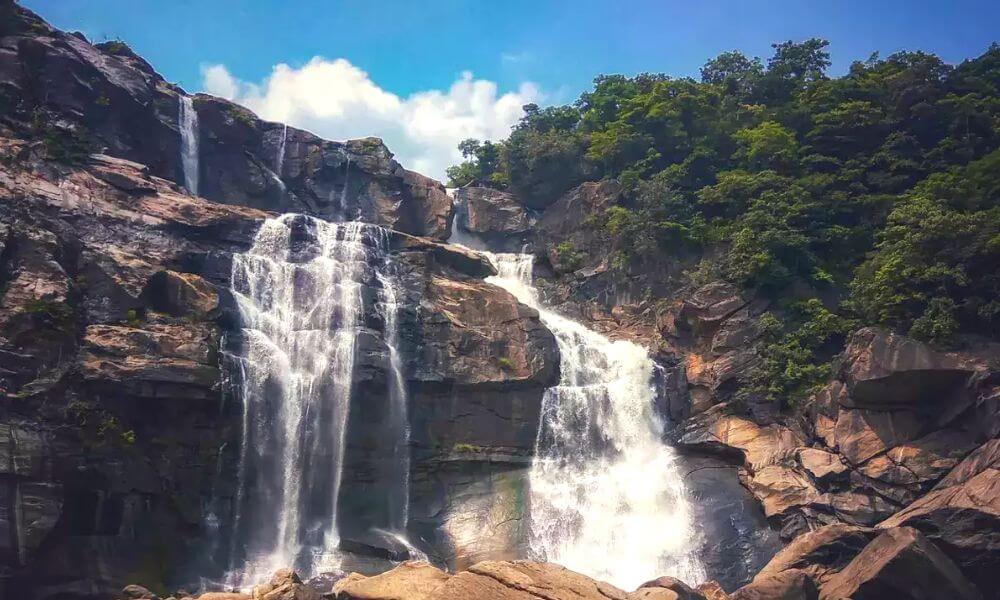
<point x="408" y="47"/>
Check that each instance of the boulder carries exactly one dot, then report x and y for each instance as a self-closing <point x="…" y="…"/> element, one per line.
<point x="285" y="584"/>
<point x="759" y="445"/>
<point x="962" y="515"/>
<point x="525" y="580"/>
<point x="782" y="489"/>
<point x="710" y="305"/>
<point x="791" y="584"/>
<point x="820" y="464"/>
<point x="820" y="553"/>
<point x="666" y="588"/>
<point x="564" y="232"/>
<point x="408" y="581"/>
<point x="901" y="564"/>
<point x="883" y="369"/>
<point x="711" y="590"/>
<point x="861" y="434"/>
<point x="137" y="592"/>
<point x="489" y="212"/>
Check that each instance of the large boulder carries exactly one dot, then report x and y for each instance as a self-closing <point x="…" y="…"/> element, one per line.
<point x="490" y="213"/>
<point x="786" y="585"/>
<point x="962" y="515"/>
<point x="883" y="369"/>
<point x="820" y="553"/>
<point x="900" y="563"/>
<point x="565" y="235"/>
<point x="408" y="581"/>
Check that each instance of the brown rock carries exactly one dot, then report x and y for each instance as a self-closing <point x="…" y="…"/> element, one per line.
<point x="886" y="369"/>
<point x="785" y="585"/>
<point x="962" y="514"/>
<point x="781" y="489"/>
<point x="761" y="446"/>
<point x="546" y="580"/>
<point x="861" y="434"/>
<point x="408" y="581"/>
<point x="820" y="464"/>
<point x="224" y="596"/>
<point x="285" y="584"/>
<point x="488" y="211"/>
<point x="430" y="207"/>
<point x="710" y="305"/>
<point x="181" y="294"/>
<point x="137" y="592"/>
<point x="920" y="461"/>
<point x="666" y="588"/>
<point x="901" y="563"/>
<point x="712" y="591"/>
<point x="821" y="552"/>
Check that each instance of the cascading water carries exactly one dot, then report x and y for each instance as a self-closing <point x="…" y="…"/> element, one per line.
<point x="606" y="498"/>
<point x="279" y="158"/>
<point x="187" y="122"/>
<point x="399" y="424"/>
<point x="299" y="292"/>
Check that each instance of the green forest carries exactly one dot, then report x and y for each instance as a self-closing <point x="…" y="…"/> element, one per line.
<point x="879" y="188"/>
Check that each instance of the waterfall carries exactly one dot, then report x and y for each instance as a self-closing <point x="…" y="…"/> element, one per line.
<point x="399" y="423"/>
<point x="299" y="292"/>
<point x="279" y="159"/>
<point x="343" y="191"/>
<point x="607" y="498"/>
<point x="187" y="122"/>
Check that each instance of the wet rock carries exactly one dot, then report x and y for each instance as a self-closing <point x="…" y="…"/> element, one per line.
<point x="760" y="445"/>
<point x="900" y="563"/>
<point x="785" y="585"/>
<point x="524" y="579"/>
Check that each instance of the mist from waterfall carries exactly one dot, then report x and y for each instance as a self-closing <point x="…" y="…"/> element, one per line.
<point x="299" y="290"/>
<point x="187" y="123"/>
<point x="606" y="495"/>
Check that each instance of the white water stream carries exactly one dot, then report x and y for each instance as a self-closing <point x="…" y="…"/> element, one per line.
<point x="300" y="295"/>
<point x="607" y="498"/>
<point x="187" y="122"/>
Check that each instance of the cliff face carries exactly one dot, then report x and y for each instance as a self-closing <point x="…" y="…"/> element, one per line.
<point x="119" y="435"/>
<point x="80" y="97"/>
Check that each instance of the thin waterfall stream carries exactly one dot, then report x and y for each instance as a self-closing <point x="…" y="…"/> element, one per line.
<point x="607" y="498"/>
<point x="187" y="123"/>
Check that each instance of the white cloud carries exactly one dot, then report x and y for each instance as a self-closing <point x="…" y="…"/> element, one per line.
<point x="336" y="100"/>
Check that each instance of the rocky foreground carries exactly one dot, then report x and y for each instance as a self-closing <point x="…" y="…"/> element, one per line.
<point x="832" y="563"/>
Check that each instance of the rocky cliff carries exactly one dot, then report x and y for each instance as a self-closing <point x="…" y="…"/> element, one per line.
<point x="119" y="434"/>
<point x="120" y="431"/>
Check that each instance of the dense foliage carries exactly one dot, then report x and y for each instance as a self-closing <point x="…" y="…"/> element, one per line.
<point x="878" y="191"/>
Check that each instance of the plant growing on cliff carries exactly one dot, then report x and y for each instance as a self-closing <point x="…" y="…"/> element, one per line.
<point x="50" y="313"/>
<point x="569" y="258"/>
<point x="796" y="353"/>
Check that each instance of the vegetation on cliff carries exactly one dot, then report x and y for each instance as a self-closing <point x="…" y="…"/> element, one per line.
<point x="877" y="191"/>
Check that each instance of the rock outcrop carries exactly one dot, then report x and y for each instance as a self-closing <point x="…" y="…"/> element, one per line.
<point x="81" y="98"/>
